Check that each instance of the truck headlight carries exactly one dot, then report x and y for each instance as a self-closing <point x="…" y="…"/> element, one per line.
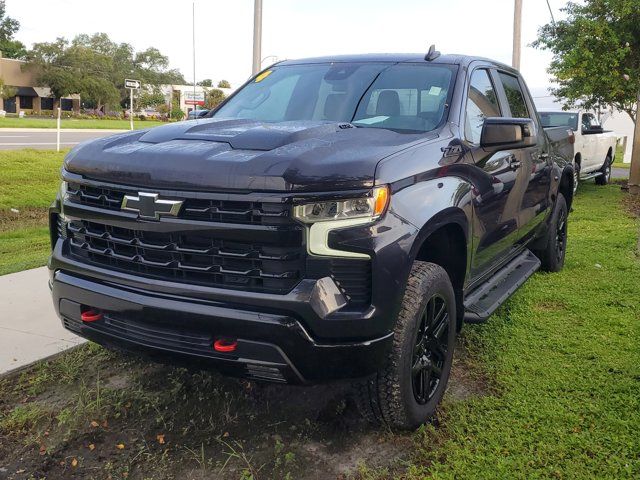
<point x="369" y="207"/>
<point x="322" y="217"/>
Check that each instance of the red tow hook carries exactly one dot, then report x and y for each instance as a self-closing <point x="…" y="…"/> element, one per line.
<point x="225" y="345"/>
<point x="91" y="315"/>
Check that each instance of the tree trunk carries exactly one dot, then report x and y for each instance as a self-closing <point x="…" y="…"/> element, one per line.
<point x="634" y="171"/>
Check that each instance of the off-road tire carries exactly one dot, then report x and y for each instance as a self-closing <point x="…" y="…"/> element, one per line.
<point x="387" y="397"/>
<point x="576" y="177"/>
<point x="605" y="172"/>
<point x="553" y="254"/>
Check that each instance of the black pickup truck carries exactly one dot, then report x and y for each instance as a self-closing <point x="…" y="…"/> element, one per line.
<point x="335" y="218"/>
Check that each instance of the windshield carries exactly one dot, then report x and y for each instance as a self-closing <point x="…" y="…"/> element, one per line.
<point x="559" y="119"/>
<point x="401" y="97"/>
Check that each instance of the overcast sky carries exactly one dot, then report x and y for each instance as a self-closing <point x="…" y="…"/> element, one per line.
<point x="293" y="29"/>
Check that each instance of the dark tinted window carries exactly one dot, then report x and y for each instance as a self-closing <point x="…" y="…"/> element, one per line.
<point x="481" y="103"/>
<point x="589" y="120"/>
<point x="514" y="94"/>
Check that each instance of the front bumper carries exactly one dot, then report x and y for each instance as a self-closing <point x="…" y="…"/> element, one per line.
<point x="271" y="346"/>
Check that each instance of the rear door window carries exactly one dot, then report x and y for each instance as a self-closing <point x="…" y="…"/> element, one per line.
<point x="514" y="94"/>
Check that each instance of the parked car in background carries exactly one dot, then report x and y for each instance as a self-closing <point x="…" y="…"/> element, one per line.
<point x="594" y="148"/>
<point x="339" y="217"/>
<point x="193" y="114"/>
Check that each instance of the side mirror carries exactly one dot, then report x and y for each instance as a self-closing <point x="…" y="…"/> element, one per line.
<point x="499" y="133"/>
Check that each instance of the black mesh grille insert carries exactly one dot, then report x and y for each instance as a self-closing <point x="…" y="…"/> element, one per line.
<point x="353" y="277"/>
<point x="224" y="211"/>
<point x="197" y="258"/>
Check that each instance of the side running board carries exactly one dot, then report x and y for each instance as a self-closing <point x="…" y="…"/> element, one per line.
<point x="484" y="300"/>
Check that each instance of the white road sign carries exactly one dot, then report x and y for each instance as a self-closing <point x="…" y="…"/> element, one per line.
<point x="128" y="83"/>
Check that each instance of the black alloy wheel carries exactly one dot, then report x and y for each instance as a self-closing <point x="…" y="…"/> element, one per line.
<point x="430" y="350"/>
<point x="561" y="236"/>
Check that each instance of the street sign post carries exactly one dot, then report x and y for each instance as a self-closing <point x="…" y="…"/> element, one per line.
<point x="131" y="85"/>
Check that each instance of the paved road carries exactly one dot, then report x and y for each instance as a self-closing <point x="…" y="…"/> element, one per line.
<point x="619" y="172"/>
<point x="18" y="138"/>
<point x="29" y="327"/>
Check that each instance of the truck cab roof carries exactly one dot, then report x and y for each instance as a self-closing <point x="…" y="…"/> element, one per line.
<point x="448" y="59"/>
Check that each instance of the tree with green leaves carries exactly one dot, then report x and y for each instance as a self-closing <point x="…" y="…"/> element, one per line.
<point x="9" y="47"/>
<point x="95" y="67"/>
<point x="7" y="91"/>
<point x="207" y="82"/>
<point x="224" y="84"/>
<point x="596" y="60"/>
<point x="151" y="98"/>
<point x="214" y="98"/>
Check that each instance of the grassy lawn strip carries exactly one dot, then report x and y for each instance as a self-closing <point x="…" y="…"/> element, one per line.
<point x="76" y="123"/>
<point x="549" y="390"/>
<point x="565" y="355"/>
<point x="618" y="163"/>
<point x="29" y="181"/>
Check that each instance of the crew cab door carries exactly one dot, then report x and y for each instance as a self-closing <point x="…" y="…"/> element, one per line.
<point x="590" y="154"/>
<point x="534" y="163"/>
<point x="501" y="188"/>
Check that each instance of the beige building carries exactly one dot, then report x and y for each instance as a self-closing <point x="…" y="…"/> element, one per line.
<point x="29" y="97"/>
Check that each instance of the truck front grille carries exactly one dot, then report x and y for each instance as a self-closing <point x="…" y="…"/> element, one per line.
<point x="191" y="257"/>
<point x="208" y="210"/>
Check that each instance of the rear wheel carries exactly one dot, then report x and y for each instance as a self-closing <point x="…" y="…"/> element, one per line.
<point x="605" y="172"/>
<point x="553" y="253"/>
<point x="405" y="392"/>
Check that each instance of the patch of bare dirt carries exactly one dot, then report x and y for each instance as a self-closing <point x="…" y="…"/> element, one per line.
<point x="117" y="417"/>
<point x="631" y="203"/>
<point x="23" y="218"/>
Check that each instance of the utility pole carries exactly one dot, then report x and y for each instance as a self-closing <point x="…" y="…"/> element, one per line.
<point x="193" y="28"/>
<point x="517" y="34"/>
<point x="257" y="35"/>
<point x="634" y="172"/>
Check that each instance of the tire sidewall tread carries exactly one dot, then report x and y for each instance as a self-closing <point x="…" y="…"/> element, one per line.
<point x="387" y="397"/>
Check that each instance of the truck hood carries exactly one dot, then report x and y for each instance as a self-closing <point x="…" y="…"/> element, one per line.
<point x="245" y="155"/>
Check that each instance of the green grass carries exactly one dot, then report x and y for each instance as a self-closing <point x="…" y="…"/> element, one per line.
<point x="619" y="157"/>
<point x="554" y="378"/>
<point x="23" y="248"/>
<point x="565" y="355"/>
<point x="29" y="181"/>
<point x="76" y="123"/>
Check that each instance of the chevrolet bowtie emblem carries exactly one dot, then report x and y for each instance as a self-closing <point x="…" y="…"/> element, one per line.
<point x="149" y="206"/>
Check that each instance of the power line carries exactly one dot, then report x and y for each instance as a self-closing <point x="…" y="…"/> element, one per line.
<point x="553" y="20"/>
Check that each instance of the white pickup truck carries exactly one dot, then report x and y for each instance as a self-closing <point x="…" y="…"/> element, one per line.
<point x="594" y="149"/>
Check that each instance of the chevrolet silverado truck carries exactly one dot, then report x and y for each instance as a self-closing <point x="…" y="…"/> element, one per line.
<point x="335" y="218"/>
<point x="594" y="148"/>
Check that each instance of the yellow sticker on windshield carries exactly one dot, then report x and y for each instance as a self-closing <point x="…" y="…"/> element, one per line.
<point x="263" y="75"/>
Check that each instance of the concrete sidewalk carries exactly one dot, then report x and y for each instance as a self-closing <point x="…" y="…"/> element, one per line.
<point x="29" y="327"/>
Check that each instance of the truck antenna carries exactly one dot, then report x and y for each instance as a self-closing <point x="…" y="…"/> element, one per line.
<point x="432" y="54"/>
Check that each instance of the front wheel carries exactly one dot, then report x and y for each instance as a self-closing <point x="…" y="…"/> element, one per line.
<point x="576" y="177"/>
<point x="605" y="172"/>
<point x="404" y="393"/>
